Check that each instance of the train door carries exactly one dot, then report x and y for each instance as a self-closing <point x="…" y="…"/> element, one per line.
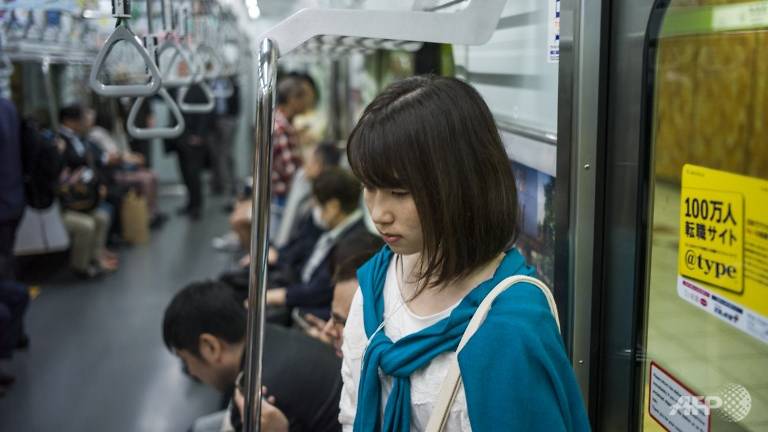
<point x="683" y="259"/>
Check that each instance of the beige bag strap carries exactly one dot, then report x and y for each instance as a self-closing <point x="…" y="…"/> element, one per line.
<point x="452" y="383"/>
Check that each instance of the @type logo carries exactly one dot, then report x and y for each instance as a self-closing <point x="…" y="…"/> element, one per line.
<point x="732" y="403"/>
<point x="709" y="266"/>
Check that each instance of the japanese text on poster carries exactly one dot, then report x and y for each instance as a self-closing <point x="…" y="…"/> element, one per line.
<point x="723" y="253"/>
<point x="553" y="35"/>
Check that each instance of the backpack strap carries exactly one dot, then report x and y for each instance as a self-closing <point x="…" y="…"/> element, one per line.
<point x="452" y="383"/>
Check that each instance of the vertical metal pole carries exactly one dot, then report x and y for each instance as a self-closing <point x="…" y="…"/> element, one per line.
<point x="261" y="195"/>
<point x="150" y="26"/>
<point x="53" y="110"/>
<point x="166" y="7"/>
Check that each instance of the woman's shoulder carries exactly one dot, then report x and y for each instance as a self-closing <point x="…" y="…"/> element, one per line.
<point x="524" y="307"/>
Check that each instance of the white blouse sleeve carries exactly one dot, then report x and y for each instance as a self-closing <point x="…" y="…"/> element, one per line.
<point x="353" y="348"/>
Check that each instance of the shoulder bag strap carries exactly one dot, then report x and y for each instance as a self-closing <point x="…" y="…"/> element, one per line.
<point x="452" y="383"/>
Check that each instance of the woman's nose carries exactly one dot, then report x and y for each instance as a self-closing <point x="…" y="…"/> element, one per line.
<point x="381" y="215"/>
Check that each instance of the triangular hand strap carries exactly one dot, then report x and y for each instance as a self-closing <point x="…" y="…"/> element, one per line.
<point x="212" y="59"/>
<point x="170" y="81"/>
<point x="158" y="132"/>
<point x="123" y="33"/>
<point x="197" y="108"/>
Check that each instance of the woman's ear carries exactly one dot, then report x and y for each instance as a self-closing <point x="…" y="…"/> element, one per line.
<point x="211" y="348"/>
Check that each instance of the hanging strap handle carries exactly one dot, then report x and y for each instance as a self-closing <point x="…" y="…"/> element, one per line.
<point x="442" y="408"/>
<point x="121" y="10"/>
<point x="197" y="108"/>
<point x="157" y="132"/>
<point x="169" y="81"/>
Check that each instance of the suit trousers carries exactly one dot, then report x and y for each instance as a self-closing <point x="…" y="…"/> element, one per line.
<point x="191" y="164"/>
<point x="88" y="232"/>
<point x="7" y="240"/>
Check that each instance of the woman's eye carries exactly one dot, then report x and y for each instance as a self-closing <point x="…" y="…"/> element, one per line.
<point x="400" y="193"/>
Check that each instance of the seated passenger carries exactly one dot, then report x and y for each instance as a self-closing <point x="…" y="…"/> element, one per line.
<point x="130" y="167"/>
<point x="298" y="206"/>
<point x="350" y="254"/>
<point x="85" y="214"/>
<point x="337" y="195"/>
<point x="205" y="326"/>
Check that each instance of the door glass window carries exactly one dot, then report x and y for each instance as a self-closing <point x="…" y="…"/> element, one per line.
<point x="706" y="335"/>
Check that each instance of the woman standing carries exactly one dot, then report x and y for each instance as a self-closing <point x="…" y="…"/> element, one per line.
<point x="441" y="192"/>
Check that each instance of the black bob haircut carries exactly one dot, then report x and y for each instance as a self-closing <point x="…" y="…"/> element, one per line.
<point x="337" y="183"/>
<point x="203" y="307"/>
<point x="289" y="85"/>
<point x="436" y="138"/>
<point x="71" y="112"/>
<point x="328" y="153"/>
<point x="352" y="252"/>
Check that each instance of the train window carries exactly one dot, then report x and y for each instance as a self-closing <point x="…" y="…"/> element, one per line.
<point x="706" y="333"/>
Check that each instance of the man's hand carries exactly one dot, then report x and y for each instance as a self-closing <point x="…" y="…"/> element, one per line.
<point x="318" y="329"/>
<point x="60" y="144"/>
<point x="272" y="256"/>
<point x="272" y="419"/>
<point x="276" y="297"/>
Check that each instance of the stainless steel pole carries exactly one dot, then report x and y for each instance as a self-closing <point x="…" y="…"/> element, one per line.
<point x="53" y="110"/>
<point x="262" y="193"/>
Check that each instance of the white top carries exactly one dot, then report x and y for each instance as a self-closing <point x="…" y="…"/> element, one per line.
<point x="425" y="383"/>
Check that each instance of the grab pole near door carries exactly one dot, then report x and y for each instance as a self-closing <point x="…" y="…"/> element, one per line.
<point x="262" y="197"/>
<point x="472" y="25"/>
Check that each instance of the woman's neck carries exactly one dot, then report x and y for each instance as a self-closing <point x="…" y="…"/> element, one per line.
<point x="434" y="299"/>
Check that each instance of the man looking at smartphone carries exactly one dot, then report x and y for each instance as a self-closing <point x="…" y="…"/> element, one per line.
<point x="205" y="325"/>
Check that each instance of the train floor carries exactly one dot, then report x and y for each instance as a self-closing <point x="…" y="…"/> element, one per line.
<point x="97" y="361"/>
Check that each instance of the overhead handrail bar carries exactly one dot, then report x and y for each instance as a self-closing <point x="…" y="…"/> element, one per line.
<point x="197" y="108"/>
<point x="121" y="10"/>
<point x="473" y="25"/>
<point x="156" y="132"/>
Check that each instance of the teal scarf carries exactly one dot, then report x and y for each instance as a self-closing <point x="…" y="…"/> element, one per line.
<point x="513" y="350"/>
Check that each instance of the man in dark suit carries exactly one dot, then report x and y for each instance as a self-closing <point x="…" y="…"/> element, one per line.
<point x="336" y="193"/>
<point x="11" y="184"/>
<point x="192" y="149"/>
<point x="205" y="326"/>
<point x="13" y="296"/>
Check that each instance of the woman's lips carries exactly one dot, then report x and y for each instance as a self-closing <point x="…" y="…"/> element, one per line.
<point x="391" y="238"/>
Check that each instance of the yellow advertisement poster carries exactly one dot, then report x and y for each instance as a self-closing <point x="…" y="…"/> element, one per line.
<point x="723" y="253"/>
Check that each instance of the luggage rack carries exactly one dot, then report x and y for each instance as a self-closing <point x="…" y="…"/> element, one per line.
<point x="334" y="31"/>
<point x="343" y="45"/>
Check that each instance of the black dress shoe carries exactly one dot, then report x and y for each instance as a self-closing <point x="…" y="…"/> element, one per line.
<point x="23" y="343"/>
<point x="157" y="221"/>
<point x="6" y="379"/>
